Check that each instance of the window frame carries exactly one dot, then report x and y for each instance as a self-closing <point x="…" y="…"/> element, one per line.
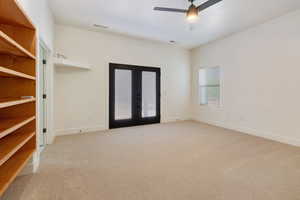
<point x="212" y="105"/>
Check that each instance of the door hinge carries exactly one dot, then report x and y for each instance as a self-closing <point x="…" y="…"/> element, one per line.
<point x="44" y="130"/>
<point x="44" y="96"/>
<point x="44" y="61"/>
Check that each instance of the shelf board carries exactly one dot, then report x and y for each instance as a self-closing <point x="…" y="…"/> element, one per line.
<point x="19" y="18"/>
<point x="10" y="46"/>
<point x="11" y="168"/>
<point x="70" y="64"/>
<point x="12" y="143"/>
<point x="7" y="102"/>
<point x="4" y="72"/>
<point x="10" y="125"/>
<point x="18" y="38"/>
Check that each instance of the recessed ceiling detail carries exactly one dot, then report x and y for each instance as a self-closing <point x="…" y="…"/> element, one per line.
<point x="137" y="17"/>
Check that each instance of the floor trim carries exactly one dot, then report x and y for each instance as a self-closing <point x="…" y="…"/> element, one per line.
<point x="255" y="132"/>
<point x="72" y="131"/>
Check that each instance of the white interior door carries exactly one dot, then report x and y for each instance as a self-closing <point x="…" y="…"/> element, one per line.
<point x="43" y="97"/>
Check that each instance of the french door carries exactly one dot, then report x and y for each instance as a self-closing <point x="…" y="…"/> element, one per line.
<point x="134" y="95"/>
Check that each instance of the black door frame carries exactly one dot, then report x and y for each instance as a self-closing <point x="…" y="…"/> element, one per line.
<point x="136" y="96"/>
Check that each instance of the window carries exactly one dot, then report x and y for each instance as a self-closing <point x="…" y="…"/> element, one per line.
<point x="209" y="86"/>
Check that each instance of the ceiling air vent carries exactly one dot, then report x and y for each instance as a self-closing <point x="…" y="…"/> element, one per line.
<point x="100" y="26"/>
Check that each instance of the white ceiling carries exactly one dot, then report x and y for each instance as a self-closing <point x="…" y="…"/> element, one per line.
<point x="137" y="18"/>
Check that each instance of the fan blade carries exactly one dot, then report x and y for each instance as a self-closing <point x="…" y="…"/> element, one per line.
<point x="208" y="4"/>
<point x="169" y="9"/>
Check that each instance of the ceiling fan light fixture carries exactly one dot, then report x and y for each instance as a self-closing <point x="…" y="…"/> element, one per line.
<point x="192" y="13"/>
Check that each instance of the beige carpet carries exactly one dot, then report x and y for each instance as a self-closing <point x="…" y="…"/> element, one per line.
<point x="176" y="161"/>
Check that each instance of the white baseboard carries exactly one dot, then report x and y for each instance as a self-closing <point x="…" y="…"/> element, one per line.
<point x="50" y="138"/>
<point x="73" y="131"/>
<point x="175" y="119"/>
<point x="255" y="132"/>
<point x="32" y="165"/>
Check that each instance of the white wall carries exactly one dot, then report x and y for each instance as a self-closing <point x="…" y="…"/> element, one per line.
<point x="261" y="69"/>
<point x="81" y="97"/>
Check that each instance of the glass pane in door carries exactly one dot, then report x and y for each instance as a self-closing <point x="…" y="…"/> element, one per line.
<point x="148" y="94"/>
<point x="123" y="100"/>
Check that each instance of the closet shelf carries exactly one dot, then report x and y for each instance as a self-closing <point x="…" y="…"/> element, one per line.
<point x="70" y="64"/>
<point x="7" y="102"/>
<point x="10" y="125"/>
<point x="9" y="46"/>
<point x="18" y="18"/>
<point x="12" y="143"/>
<point x="4" y="72"/>
<point x="18" y="87"/>
<point x="11" y="168"/>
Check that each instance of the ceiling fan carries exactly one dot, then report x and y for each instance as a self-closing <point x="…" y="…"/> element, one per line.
<point x="193" y="11"/>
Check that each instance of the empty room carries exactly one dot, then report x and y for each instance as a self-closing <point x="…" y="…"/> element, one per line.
<point x="149" y="100"/>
